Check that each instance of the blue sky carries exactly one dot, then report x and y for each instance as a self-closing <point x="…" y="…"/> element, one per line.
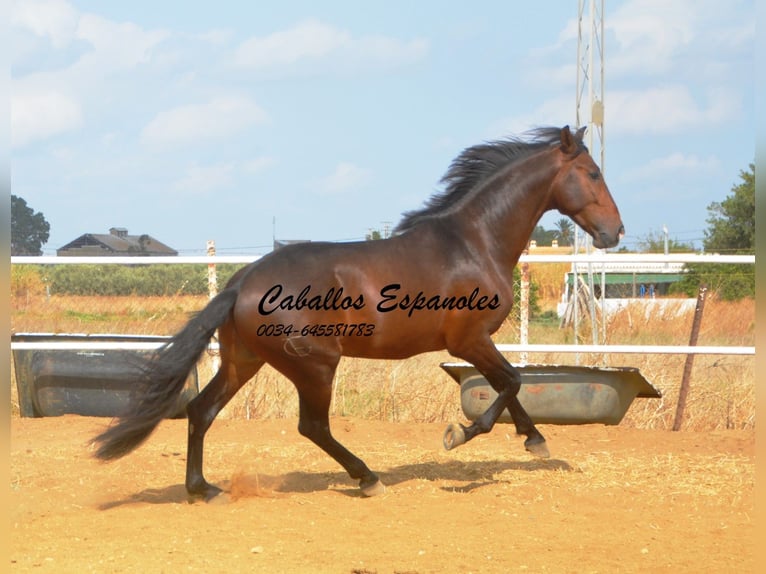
<point x="238" y="121"/>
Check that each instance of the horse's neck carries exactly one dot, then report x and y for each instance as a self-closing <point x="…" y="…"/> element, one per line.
<point x="513" y="204"/>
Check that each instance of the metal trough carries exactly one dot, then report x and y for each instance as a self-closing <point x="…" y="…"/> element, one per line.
<point x="88" y="375"/>
<point x="558" y="394"/>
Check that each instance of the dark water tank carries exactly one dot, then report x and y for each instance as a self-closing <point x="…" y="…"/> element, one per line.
<point x="89" y="380"/>
<point x="558" y="394"/>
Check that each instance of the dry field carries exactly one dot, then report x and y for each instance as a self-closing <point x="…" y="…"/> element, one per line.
<point x="611" y="499"/>
<point x="630" y="498"/>
<point x="722" y="387"/>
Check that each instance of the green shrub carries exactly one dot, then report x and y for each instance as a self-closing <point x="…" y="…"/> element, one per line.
<point x="729" y="282"/>
<point x="145" y="280"/>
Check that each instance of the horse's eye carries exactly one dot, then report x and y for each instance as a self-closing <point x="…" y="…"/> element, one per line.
<point x="594" y="175"/>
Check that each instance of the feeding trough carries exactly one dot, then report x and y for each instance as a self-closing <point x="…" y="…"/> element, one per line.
<point x="558" y="394"/>
<point x="88" y="375"/>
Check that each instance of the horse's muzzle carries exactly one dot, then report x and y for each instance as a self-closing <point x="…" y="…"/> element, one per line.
<point x="604" y="240"/>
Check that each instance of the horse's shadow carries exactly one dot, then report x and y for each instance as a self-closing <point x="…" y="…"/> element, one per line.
<point x="467" y="476"/>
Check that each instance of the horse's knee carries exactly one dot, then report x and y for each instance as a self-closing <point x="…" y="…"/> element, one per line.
<point x="513" y="376"/>
<point x="508" y="386"/>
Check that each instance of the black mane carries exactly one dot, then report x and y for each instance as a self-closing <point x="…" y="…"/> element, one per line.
<point x="475" y="165"/>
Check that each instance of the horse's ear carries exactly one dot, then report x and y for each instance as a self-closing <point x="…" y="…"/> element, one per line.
<point x="580" y="133"/>
<point x="568" y="143"/>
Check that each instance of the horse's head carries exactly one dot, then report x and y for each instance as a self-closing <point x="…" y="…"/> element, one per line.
<point x="580" y="192"/>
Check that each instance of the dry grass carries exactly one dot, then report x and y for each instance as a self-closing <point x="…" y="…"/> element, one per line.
<point x="550" y="280"/>
<point x="79" y="314"/>
<point x="722" y="393"/>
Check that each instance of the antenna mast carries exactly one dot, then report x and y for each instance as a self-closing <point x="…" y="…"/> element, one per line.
<point x="590" y="75"/>
<point x="589" y="111"/>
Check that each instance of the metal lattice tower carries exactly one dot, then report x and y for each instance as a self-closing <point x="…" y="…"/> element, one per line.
<point x="590" y="112"/>
<point x="590" y="75"/>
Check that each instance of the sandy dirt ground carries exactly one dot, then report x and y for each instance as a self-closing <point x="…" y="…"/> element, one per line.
<point x="611" y="499"/>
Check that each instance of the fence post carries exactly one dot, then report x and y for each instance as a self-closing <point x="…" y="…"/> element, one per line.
<point x="681" y="406"/>
<point x="212" y="291"/>
<point x="212" y="277"/>
<point x="524" y="311"/>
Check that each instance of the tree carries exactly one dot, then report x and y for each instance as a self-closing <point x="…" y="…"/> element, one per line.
<point x="732" y="221"/>
<point x="564" y="231"/>
<point x="375" y="234"/>
<point x="29" y="229"/>
<point x="543" y="236"/>
<point x="732" y="231"/>
<point x="654" y="242"/>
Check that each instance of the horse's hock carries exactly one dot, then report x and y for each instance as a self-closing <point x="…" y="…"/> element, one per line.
<point x="558" y="394"/>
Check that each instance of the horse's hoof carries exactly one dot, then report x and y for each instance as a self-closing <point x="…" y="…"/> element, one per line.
<point x="454" y="436"/>
<point x="373" y="489"/>
<point x="537" y="448"/>
<point x="219" y="498"/>
<point x="207" y="493"/>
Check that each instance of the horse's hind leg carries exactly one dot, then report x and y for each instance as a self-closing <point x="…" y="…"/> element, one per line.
<point x="315" y="425"/>
<point x="535" y="441"/>
<point x="202" y="411"/>
<point x="313" y="381"/>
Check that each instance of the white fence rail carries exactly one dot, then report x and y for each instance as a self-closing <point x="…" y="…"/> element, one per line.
<point x="643" y="349"/>
<point x="593" y="258"/>
<point x="605" y="257"/>
<point x="505" y="348"/>
<point x="138" y="260"/>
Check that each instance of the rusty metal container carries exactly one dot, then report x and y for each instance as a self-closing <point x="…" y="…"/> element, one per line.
<point x="56" y="377"/>
<point x="558" y="394"/>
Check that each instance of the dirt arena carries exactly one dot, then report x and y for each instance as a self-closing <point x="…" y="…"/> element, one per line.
<point x="611" y="499"/>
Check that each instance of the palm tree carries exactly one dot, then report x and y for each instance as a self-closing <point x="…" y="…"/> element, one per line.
<point x="564" y="230"/>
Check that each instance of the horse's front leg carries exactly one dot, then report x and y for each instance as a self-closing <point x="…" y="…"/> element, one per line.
<point x="506" y="380"/>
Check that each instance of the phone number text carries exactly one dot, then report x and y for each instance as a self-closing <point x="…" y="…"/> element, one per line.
<point x="316" y="330"/>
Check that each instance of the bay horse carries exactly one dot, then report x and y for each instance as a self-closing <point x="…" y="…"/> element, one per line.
<point x="443" y="280"/>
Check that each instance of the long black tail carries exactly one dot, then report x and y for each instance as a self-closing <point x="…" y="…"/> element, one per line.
<point x="163" y="379"/>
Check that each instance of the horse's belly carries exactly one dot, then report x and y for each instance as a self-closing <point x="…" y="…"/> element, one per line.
<point x="391" y="345"/>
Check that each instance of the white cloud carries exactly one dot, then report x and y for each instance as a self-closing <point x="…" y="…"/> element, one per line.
<point x="116" y="44"/>
<point x="203" y="179"/>
<point x="388" y="51"/>
<point x="112" y="44"/>
<point x="220" y="117"/>
<point x="52" y="19"/>
<point x="37" y="115"/>
<point x="305" y="40"/>
<point x="649" y="34"/>
<point x="216" y="36"/>
<point x="558" y="111"/>
<point x="672" y="165"/>
<point x="666" y="109"/>
<point x="692" y="42"/>
<point x="655" y="36"/>
<point x="346" y="177"/>
<point x="200" y="180"/>
<point x="258" y="164"/>
<point x="50" y="102"/>
<point x="313" y="41"/>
